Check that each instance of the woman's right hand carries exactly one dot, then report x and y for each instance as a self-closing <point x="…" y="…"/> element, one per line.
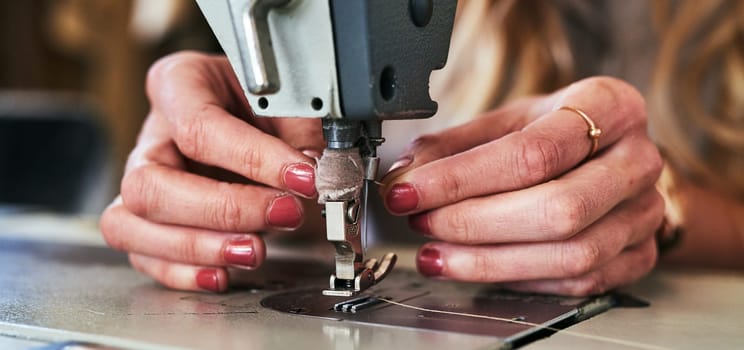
<point x="178" y="218"/>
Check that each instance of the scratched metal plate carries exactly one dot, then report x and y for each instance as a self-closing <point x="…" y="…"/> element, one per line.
<point x="547" y="311"/>
<point x="61" y="292"/>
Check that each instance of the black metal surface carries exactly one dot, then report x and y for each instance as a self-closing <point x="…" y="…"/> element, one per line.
<point x="341" y="133"/>
<point x="385" y="52"/>
<point x="539" y="309"/>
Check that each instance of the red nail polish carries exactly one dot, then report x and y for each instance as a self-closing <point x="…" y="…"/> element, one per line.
<point x="284" y="212"/>
<point x="402" y="198"/>
<point x="429" y="262"/>
<point x="300" y="178"/>
<point x="420" y="224"/>
<point x="207" y="279"/>
<point x="240" y="253"/>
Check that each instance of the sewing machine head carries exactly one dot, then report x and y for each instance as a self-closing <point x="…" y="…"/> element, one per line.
<point x="353" y="63"/>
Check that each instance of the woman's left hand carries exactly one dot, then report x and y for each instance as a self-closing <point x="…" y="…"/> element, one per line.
<point x="512" y="197"/>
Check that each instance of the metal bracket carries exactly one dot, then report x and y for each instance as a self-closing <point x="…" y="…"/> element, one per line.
<point x="353" y="274"/>
<point x="299" y="35"/>
<point x="258" y="58"/>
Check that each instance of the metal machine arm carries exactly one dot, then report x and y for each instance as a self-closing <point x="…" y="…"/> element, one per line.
<point x="353" y="63"/>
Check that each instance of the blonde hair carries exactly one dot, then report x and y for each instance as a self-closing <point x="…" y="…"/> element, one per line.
<point x="697" y="91"/>
<point x="502" y="49"/>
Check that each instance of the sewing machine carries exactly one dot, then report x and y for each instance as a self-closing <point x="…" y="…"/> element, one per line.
<point x="63" y="288"/>
<point x="353" y="63"/>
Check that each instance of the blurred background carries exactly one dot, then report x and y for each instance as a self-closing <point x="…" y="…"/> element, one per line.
<point x="72" y="100"/>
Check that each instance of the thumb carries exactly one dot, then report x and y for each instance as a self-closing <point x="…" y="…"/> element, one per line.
<point x="304" y="134"/>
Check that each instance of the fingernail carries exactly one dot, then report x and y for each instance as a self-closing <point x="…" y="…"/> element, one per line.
<point x="240" y="253"/>
<point x="399" y="164"/>
<point x="300" y="178"/>
<point x="284" y="212"/>
<point x="311" y="153"/>
<point x="207" y="279"/>
<point x="430" y="262"/>
<point x="402" y="198"/>
<point x="420" y="224"/>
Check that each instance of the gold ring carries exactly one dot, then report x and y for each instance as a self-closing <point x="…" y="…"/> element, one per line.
<point x="594" y="132"/>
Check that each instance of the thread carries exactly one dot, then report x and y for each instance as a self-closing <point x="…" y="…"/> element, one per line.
<point x="628" y="343"/>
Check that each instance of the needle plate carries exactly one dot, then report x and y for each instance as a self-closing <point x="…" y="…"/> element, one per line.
<point x="407" y="287"/>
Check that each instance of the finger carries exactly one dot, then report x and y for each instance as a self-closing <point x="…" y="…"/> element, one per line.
<point x="489" y="126"/>
<point x="211" y="136"/>
<point x="125" y="231"/>
<point x="181" y="276"/>
<point x="627" y="225"/>
<point x="628" y="267"/>
<point x="172" y="196"/>
<point x="304" y="134"/>
<point x="543" y="150"/>
<point x="555" y="210"/>
<point x="154" y="145"/>
<point x="199" y="75"/>
<point x="204" y="131"/>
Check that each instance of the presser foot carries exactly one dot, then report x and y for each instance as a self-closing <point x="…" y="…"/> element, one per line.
<point x="374" y="271"/>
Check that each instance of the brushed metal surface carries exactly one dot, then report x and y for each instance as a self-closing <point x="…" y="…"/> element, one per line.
<point x="54" y="292"/>
<point x="58" y="292"/>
